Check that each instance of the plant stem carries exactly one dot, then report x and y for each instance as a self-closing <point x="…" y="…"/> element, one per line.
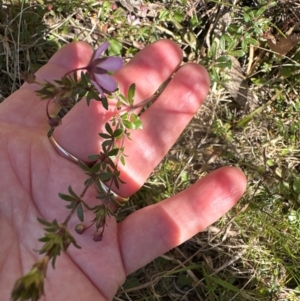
<point x="65" y="223"/>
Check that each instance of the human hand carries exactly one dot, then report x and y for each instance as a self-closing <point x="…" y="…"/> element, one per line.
<point x="33" y="173"/>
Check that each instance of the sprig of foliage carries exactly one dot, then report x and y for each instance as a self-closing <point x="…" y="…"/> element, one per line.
<point x="57" y="239"/>
<point x="67" y="91"/>
<point x="31" y="285"/>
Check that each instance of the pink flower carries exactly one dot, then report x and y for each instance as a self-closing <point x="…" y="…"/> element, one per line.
<point x="99" y="67"/>
<point x="132" y="20"/>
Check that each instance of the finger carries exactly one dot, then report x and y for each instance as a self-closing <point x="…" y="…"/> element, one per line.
<point x="152" y="231"/>
<point x="163" y="122"/>
<point x="153" y="65"/>
<point x="24" y="107"/>
<point x="150" y="68"/>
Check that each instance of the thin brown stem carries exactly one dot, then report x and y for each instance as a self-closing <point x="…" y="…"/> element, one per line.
<point x="74" y="70"/>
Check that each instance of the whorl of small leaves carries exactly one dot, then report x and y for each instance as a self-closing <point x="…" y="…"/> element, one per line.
<point x="31" y="285"/>
<point x="57" y="239"/>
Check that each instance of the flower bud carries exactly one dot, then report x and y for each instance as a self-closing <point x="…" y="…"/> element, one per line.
<point x="54" y="121"/>
<point x="65" y="101"/>
<point x="28" y="77"/>
<point x="98" y="235"/>
<point x="80" y="228"/>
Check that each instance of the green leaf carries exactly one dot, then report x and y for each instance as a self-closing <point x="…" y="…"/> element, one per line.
<point x="89" y="182"/>
<point x="223" y="43"/>
<point x="96" y="167"/>
<point x="131" y="94"/>
<point x="225" y="284"/>
<point x="122" y="159"/>
<point x="51" y="229"/>
<point x="128" y="124"/>
<point x="131" y="282"/>
<point x="114" y="152"/>
<point x="115" y="47"/>
<point x="125" y="116"/>
<point x="123" y="100"/>
<point x="296" y="185"/>
<point x="80" y="212"/>
<point x="116" y="182"/>
<point x="118" y="133"/>
<point x="104" y="103"/>
<point x="194" y="21"/>
<point x="105" y="176"/>
<point x="93" y="157"/>
<point x="73" y="193"/>
<point x="45" y="223"/>
<point x="111" y="163"/>
<point x="67" y="197"/>
<point x="178" y="15"/>
<point x="106" y="144"/>
<point x="190" y="38"/>
<point x="71" y="205"/>
<point x="223" y="62"/>
<point x="87" y="206"/>
<point x="244" y="45"/>
<point x="109" y="129"/>
<point x="104" y="136"/>
<point x="237" y="53"/>
<point x="231" y="45"/>
<point x="252" y="41"/>
<point x="247" y="18"/>
<point x="260" y="11"/>
<point x="84" y="167"/>
<point x="31" y="285"/>
<point x="136" y="121"/>
<point x="44" y="239"/>
<point x="92" y="95"/>
<point x="244" y="121"/>
<point x="213" y="49"/>
<point x="176" y="23"/>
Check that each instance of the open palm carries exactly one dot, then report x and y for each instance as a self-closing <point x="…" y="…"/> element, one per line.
<point x="32" y="175"/>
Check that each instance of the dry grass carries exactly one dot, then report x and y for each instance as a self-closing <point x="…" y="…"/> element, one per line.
<point x="252" y="253"/>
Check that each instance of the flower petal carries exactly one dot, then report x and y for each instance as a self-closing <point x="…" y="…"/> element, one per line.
<point x="100" y="50"/>
<point x="97" y="86"/>
<point x="106" y="82"/>
<point x="112" y="63"/>
<point x="136" y="22"/>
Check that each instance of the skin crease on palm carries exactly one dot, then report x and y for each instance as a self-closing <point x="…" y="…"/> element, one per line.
<point x="32" y="174"/>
